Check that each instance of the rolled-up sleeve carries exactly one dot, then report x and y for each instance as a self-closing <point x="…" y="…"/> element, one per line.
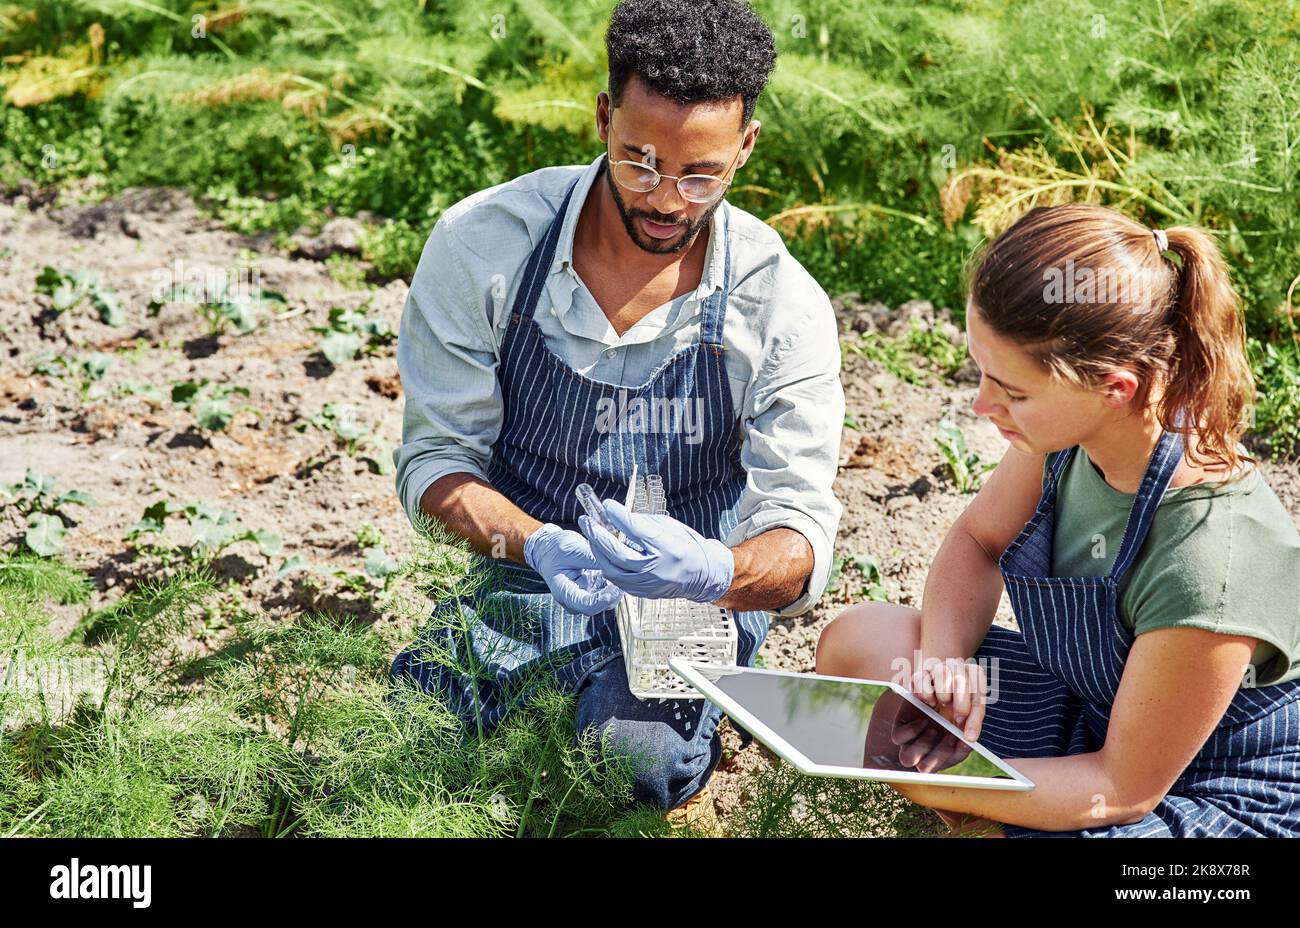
<point x="795" y="418"/>
<point x="447" y="356"/>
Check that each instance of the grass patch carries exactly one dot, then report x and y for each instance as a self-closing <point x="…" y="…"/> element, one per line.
<point x="285" y="729"/>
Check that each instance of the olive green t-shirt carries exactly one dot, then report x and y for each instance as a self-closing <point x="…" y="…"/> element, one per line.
<point x="1222" y="556"/>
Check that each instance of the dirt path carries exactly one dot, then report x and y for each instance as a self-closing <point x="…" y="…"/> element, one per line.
<point x="128" y="451"/>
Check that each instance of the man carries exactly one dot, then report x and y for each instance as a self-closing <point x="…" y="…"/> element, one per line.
<point x="542" y="310"/>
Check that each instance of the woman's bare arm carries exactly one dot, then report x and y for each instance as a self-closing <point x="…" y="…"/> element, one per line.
<point x="1176" y="686"/>
<point x="963" y="585"/>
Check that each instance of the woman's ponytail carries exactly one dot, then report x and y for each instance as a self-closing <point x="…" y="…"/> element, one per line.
<point x="1210" y="387"/>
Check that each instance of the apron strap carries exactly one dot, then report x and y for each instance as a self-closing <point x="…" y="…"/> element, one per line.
<point x="539" y="263"/>
<point x="715" y="304"/>
<point x="1160" y="470"/>
<point x="1057" y="466"/>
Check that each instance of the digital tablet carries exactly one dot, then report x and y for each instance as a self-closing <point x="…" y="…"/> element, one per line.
<point x="846" y="727"/>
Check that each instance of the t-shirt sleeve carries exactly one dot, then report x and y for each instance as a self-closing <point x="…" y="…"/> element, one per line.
<point x="1224" y="569"/>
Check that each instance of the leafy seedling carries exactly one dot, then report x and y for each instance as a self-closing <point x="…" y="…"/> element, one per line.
<point x="377" y="565"/>
<point x="84" y="373"/>
<point x="380" y="566"/>
<point x="351" y="333"/>
<point x="139" y="388"/>
<point x="351" y="436"/>
<point x="368" y="536"/>
<point x="965" y="466"/>
<point x="873" y="579"/>
<point x="213" y="530"/>
<point x="221" y="306"/>
<point x="34" y="498"/>
<point x="211" y="403"/>
<point x="67" y="289"/>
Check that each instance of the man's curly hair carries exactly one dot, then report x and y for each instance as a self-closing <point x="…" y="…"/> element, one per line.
<point x="691" y="51"/>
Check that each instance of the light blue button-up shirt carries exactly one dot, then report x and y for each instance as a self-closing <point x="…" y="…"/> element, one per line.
<point x="782" y="352"/>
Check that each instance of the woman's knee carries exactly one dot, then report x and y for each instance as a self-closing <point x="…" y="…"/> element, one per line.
<point x="864" y="639"/>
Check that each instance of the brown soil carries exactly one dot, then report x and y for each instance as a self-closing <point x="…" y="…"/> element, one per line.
<point x="129" y="452"/>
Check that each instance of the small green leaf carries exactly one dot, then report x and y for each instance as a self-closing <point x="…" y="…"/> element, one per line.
<point x="66" y="297"/>
<point x="183" y="394"/>
<point x="378" y="564"/>
<point x="137" y="388"/>
<point x="96" y="365"/>
<point x="143" y="527"/>
<point x="347" y="428"/>
<point x="109" y="306"/>
<point x="294" y="564"/>
<point x="44" y="534"/>
<point x="77" y="497"/>
<point x="209" y="512"/>
<point x="868" y="566"/>
<point x="376" y="328"/>
<point x="40" y="484"/>
<point x="55" y="366"/>
<point x="340" y="347"/>
<point x="215" y="414"/>
<point x="48" y="281"/>
<point x="241" y="313"/>
<point x="269" y="541"/>
<point x="212" y="534"/>
<point x="382" y="456"/>
<point x="85" y="280"/>
<point x="162" y="509"/>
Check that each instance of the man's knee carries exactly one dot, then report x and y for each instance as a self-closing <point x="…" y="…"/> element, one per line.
<point x="665" y="772"/>
<point x="667" y="760"/>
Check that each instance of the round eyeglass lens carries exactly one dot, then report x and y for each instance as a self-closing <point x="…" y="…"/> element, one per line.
<point x="700" y="188"/>
<point x="635" y="176"/>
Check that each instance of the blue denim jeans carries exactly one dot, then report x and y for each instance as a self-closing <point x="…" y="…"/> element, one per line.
<point x="674" y="742"/>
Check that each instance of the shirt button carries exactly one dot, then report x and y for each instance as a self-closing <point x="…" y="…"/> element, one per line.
<point x="553" y="312"/>
<point x="610" y="353"/>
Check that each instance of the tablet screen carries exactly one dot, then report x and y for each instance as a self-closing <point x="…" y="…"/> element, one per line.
<point x="837" y="723"/>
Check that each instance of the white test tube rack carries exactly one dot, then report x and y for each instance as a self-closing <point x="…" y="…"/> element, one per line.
<point x="653" y="631"/>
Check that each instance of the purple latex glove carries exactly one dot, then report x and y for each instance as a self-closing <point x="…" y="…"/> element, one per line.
<point x="563" y="558"/>
<point x="678" y="563"/>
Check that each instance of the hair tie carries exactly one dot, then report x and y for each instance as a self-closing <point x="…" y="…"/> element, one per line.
<point x="1162" y="240"/>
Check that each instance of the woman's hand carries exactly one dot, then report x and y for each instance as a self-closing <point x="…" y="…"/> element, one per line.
<point x="922" y="745"/>
<point x="956" y="689"/>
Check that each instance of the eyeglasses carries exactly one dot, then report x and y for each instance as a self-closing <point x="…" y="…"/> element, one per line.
<point x="695" y="188"/>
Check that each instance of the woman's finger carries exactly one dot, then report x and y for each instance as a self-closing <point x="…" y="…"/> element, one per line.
<point x="942" y="684"/>
<point x="960" y="693"/>
<point x="975" y="721"/>
<point x="922" y="686"/>
<point x="906" y="732"/>
<point x="918" y="748"/>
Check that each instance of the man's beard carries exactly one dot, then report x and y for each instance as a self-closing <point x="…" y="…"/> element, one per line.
<point x="637" y="234"/>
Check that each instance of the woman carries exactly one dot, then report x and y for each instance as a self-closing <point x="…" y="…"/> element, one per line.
<point x="1154" y="685"/>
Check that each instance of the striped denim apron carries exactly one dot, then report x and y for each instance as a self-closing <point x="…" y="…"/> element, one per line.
<point x="488" y="648"/>
<point x="1056" y="681"/>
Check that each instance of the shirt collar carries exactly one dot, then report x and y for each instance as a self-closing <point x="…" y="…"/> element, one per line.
<point x="710" y="280"/>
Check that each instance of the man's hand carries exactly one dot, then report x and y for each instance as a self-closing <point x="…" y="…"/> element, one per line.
<point x="678" y="562"/>
<point x="564" y="560"/>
